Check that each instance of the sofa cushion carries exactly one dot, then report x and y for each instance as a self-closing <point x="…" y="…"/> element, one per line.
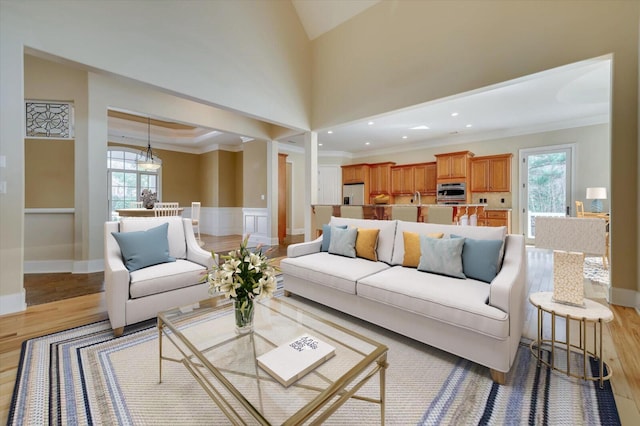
<point x="477" y="232"/>
<point x="385" y="237"/>
<point x="457" y="302"/>
<point x="338" y="272"/>
<point x="366" y="243"/>
<point x="441" y="256"/>
<point x="326" y="236"/>
<point x="164" y="277"/>
<point x="412" y="247"/>
<point x="481" y="258"/>
<point x="343" y="242"/>
<point x="140" y="249"/>
<point x="175" y="234"/>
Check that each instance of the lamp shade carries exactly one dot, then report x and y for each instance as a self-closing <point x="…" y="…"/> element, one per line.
<point x="596" y="194"/>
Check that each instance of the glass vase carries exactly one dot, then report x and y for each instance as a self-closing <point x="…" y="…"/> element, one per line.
<point x="243" y="310"/>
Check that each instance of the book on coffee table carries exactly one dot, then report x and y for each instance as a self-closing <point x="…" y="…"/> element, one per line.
<point x="293" y="360"/>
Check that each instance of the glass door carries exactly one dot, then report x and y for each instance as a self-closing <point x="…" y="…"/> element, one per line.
<point x="545" y="183"/>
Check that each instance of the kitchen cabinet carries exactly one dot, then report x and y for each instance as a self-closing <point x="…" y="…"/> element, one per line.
<point x="380" y="178"/>
<point x="355" y="173"/>
<point x="453" y="166"/>
<point x="402" y="180"/>
<point x="424" y="178"/>
<point x="491" y="173"/>
<point x="495" y="218"/>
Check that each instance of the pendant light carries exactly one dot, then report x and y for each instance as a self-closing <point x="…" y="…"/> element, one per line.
<point x="145" y="159"/>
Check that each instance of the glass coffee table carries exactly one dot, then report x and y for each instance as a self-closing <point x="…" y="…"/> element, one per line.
<point x="224" y="363"/>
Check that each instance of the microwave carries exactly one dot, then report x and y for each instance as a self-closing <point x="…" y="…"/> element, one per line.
<point x="451" y="193"/>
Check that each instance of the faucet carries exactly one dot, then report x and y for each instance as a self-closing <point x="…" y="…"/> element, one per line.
<point x="419" y="197"/>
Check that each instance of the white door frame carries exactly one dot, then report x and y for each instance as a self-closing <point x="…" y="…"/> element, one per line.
<point x="523" y="179"/>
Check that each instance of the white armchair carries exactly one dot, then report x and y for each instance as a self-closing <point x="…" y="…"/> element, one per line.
<point x="134" y="296"/>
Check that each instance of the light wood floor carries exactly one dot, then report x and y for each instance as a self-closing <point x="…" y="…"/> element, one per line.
<point x="621" y="336"/>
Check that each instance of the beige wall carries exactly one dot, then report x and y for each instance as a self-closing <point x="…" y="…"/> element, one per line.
<point x="401" y="53"/>
<point x="295" y="214"/>
<point x="49" y="179"/>
<point x="229" y="186"/>
<point x="254" y="163"/>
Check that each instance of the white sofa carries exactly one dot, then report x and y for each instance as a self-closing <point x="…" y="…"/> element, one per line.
<point x="139" y="295"/>
<point x="475" y="320"/>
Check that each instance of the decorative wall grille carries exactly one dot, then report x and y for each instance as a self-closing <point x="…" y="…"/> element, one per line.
<point x="49" y="119"/>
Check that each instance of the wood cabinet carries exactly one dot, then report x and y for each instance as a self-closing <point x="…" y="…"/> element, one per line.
<point x="495" y="218"/>
<point x="409" y="178"/>
<point x="402" y="180"/>
<point x="491" y="173"/>
<point x="453" y="166"/>
<point x="355" y="173"/>
<point x="424" y="178"/>
<point x="380" y="178"/>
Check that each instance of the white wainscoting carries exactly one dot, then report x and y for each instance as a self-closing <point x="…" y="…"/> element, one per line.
<point x="219" y="220"/>
<point x="256" y="224"/>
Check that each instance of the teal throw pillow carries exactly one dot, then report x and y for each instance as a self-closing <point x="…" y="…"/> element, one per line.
<point x="480" y="258"/>
<point x="441" y="256"/>
<point x="343" y="241"/>
<point x="144" y="248"/>
<point x="326" y="236"/>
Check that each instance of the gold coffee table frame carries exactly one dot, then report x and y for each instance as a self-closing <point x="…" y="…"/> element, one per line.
<point x="592" y="312"/>
<point x="357" y="357"/>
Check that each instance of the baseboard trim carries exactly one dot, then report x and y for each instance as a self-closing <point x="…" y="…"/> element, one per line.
<point x="63" y="266"/>
<point x="12" y="303"/>
<point x="624" y="297"/>
<point x="47" y="266"/>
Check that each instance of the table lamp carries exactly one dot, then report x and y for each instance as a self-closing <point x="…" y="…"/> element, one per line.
<point x="596" y="194"/>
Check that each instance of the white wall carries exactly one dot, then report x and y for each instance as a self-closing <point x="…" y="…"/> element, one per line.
<point x="250" y="57"/>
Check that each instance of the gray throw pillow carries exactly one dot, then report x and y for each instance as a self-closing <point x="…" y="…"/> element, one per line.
<point x="441" y="256"/>
<point x="326" y="236"/>
<point x="144" y="248"/>
<point x="343" y="241"/>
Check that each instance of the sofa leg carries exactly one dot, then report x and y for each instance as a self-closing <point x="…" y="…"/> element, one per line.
<point x="287" y="293"/>
<point x="117" y="332"/>
<point x="498" y="376"/>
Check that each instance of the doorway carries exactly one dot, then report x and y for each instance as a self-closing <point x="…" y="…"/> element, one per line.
<point x="546" y="179"/>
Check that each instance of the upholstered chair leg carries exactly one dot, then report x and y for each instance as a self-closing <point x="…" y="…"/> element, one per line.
<point x="117" y="332"/>
<point x="498" y="376"/>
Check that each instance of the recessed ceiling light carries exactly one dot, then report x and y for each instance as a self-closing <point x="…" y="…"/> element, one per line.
<point x="330" y="132"/>
<point x="319" y="144"/>
<point x="469" y="125"/>
<point x="421" y="127"/>
<point x="404" y="137"/>
<point x="454" y="114"/>
<point x="367" y="143"/>
<point x="370" y="123"/>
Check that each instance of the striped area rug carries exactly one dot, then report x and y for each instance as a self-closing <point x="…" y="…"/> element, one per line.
<point x="85" y="376"/>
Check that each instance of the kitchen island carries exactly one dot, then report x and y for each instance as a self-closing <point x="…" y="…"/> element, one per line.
<point x="485" y="216"/>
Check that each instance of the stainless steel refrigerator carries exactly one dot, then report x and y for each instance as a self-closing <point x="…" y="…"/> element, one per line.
<point x="353" y="194"/>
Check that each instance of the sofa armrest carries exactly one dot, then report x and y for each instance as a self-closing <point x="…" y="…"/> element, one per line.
<point x="116" y="278"/>
<point x="508" y="288"/>
<point x="195" y="253"/>
<point x="303" y="249"/>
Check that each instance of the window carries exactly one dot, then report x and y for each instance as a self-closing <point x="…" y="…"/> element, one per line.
<point x="126" y="180"/>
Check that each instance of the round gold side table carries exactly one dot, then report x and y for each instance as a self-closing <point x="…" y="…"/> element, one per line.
<point x="592" y="312"/>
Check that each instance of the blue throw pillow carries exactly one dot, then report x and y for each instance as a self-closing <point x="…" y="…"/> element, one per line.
<point x="326" y="236"/>
<point x="480" y="258"/>
<point x="144" y="248"/>
<point x="343" y="241"/>
<point x="441" y="256"/>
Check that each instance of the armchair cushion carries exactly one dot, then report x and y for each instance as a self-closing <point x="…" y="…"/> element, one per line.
<point x="144" y="248"/>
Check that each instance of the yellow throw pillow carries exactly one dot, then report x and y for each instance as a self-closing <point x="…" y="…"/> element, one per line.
<point x="412" y="247"/>
<point x="367" y="243"/>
